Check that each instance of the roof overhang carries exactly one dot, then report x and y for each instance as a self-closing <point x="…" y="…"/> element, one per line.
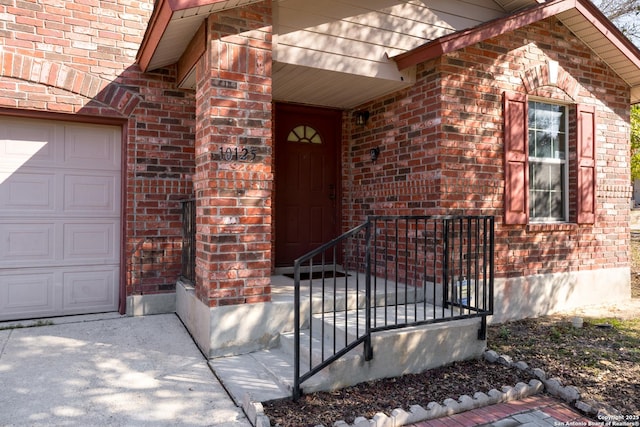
<point x="174" y="35"/>
<point x="173" y="25"/>
<point x="580" y="16"/>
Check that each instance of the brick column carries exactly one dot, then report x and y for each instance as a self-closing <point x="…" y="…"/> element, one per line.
<point x="233" y="180"/>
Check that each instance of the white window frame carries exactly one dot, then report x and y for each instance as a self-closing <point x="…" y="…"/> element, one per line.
<point x="546" y="160"/>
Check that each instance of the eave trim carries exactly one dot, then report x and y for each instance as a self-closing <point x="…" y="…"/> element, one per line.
<point x="163" y="12"/>
<point x="465" y="38"/>
<point x="461" y="39"/>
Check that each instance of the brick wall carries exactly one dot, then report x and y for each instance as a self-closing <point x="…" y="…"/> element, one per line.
<point x="76" y="58"/>
<point x="441" y="147"/>
<point x="406" y="178"/>
<point x="233" y="198"/>
<point x="440" y="140"/>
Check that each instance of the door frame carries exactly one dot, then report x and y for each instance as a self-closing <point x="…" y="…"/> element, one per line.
<point x="339" y="135"/>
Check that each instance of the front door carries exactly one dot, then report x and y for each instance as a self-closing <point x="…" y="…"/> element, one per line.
<point x="307" y="179"/>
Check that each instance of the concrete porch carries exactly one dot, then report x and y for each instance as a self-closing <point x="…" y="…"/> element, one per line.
<point x="251" y="347"/>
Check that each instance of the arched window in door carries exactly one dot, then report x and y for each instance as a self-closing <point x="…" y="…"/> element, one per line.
<point x="304" y="133"/>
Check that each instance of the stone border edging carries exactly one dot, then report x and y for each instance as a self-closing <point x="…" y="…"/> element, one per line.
<point x="570" y="394"/>
<point x="400" y="417"/>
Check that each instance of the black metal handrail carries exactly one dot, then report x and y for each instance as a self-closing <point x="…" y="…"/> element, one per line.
<point x="390" y="272"/>
<point x="188" y="271"/>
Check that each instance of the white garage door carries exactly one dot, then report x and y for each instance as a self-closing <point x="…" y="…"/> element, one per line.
<point x="59" y="218"/>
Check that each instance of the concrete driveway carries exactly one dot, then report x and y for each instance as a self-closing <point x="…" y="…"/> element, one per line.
<point x="109" y="371"/>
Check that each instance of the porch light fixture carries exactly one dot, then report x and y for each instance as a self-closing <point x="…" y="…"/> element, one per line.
<point x="375" y="152"/>
<point x="362" y="117"/>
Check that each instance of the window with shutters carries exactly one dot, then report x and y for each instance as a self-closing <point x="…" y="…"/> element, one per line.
<point x="548" y="174"/>
<point x="541" y="183"/>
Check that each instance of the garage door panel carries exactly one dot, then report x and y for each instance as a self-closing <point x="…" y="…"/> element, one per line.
<point x="90" y="193"/>
<point x="91" y="241"/>
<point x="90" y="288"/>
<point x="85" y="147"/>
<point x="22" y="243"/>
<point x="60" y="219"/>
<point x="24" y="143"/>
<point x="28" y="193"/>
<point x="24" y="295"/>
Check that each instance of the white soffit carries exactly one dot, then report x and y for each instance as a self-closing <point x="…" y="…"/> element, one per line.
<point x="315" y="86"/>
<point x="176" y="39"/>
<point x="513" y="5"/>
<point x="184" y="24"/>
<point x="603" y="47"/>
<point x="181" y="29"/>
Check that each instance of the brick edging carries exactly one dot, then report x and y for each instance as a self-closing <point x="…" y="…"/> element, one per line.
<point x="569" y="394"/>
<point x="399" y="417"/>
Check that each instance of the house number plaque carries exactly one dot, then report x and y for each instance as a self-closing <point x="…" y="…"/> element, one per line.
<point x="235" y="154"/>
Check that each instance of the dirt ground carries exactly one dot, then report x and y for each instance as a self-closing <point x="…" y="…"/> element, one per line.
<point x="602" y="359"/>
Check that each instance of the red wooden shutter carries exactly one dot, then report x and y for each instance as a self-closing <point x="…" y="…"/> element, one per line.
<point x="516" y="161"/>
<point x="586" y="154"/>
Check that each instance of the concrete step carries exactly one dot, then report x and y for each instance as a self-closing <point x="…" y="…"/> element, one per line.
<point x="316" y="353"/>
<point x="352" y="323"/>
<point x="349" y="325"/>
<point x="268" y="374"/>
<point x="264" y="375"/>
<point x="243" y="374"/>
<point x="395" y="352"/>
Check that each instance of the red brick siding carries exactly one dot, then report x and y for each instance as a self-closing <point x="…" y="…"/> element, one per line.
<point x="406" y="178"/>
<point x="442" y="148"/>
<point x="78" y="58"/>
<point x="233" y="199"/>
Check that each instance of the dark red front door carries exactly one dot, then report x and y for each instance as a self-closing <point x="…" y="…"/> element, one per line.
<point x="307" y="178"/>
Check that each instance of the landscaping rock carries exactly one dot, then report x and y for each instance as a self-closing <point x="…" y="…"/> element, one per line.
<point x="569" y="394"/>
<point x="505" y="360"/>
<point x="418" y="413"/>
<point x="481" y="399"/>
<point x="400" y="417"/>
<point x="491" y="356"/>
<point x="584" y="407"/>
<point x="382" y="420"/>
<point x="521" y="365"/>
<point x="553" y="386"/>
<point x="361" y="422"/>
<point x="496" y="396"/>
<point x="540" y="374"/>
<point x="451" y="406"/>
<point x="436" y="410"/>
<point x="535" y="387"/>
<point x="466" y="403"/>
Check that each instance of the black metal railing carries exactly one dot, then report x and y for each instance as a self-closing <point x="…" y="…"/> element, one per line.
<point x="188" y="271"/>
<point x="390" y="272"/>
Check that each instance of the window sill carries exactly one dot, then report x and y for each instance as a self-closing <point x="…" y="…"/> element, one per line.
<point x="549" y="227"/>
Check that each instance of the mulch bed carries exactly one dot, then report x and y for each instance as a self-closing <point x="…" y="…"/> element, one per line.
<point x="385" y="395"/>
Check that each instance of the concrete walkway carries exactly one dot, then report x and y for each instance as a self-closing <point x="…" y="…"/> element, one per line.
<point x="109" y="371"/>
